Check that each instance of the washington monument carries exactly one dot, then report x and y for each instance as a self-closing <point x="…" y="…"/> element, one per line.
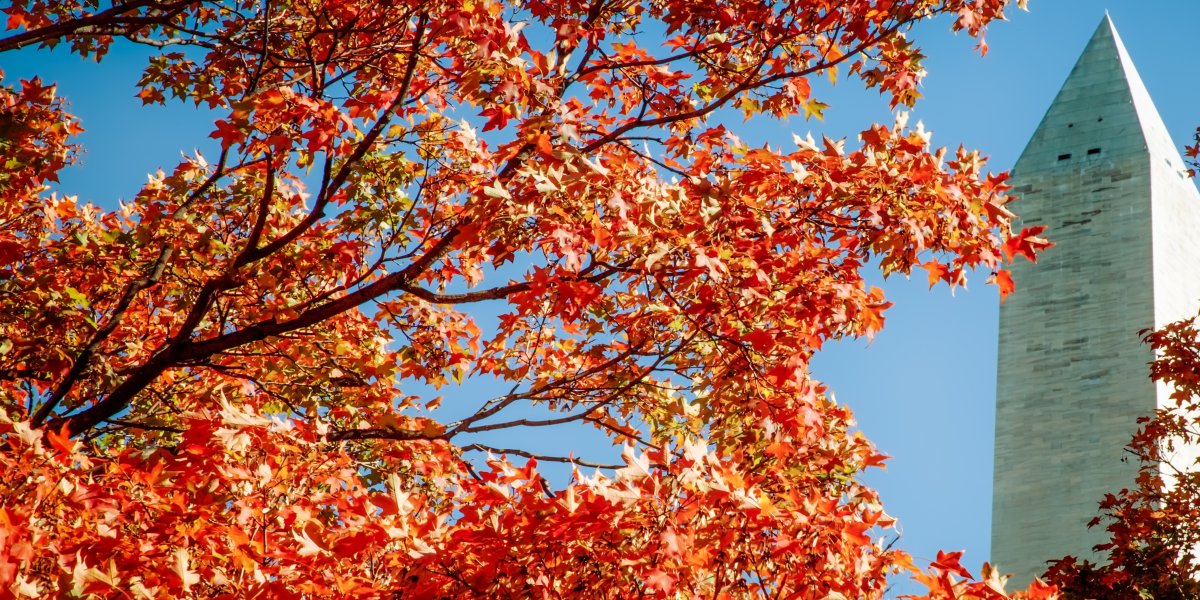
<point x="1102" y="173"/>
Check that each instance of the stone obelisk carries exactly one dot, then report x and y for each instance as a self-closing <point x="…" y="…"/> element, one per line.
<point x="1102" y="173"/>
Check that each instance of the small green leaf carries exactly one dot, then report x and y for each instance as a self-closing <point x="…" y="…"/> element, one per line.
<point x="77" y="297"/>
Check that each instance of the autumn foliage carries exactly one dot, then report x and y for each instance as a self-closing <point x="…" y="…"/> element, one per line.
<point x="229" y="386"/>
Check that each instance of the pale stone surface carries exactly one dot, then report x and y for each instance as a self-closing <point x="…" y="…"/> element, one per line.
<point x="1103" y="174"/>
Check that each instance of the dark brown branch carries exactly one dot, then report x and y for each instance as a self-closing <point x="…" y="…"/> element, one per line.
<point x="466" y="297"/>
<point x="540" y="457"/>
<point x="747" y="84"/>
<point x="145" y="426"/>
<point x="264" y="209"/>
<point x="379" y="433"/>
<point x="496" y="405"/>
<point x="653" y="62"/>
<point x="106" y="22"/>
<point x="343" y="173"/>
<point x="131" y="291"/>
<point x="582" y="416"/>
<point x="182" y="351"/>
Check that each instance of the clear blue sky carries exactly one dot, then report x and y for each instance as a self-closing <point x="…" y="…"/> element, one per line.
<point x="924" y="390"/>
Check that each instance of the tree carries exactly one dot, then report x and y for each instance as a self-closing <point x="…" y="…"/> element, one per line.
<point x="227" y="386"/>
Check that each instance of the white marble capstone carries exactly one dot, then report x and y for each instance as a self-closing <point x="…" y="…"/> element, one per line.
<point x="1102" y="172"/>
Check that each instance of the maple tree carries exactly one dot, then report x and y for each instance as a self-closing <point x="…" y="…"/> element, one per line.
<point x="229" y="385"/>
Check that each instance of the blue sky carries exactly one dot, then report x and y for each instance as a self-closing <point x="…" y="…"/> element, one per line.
<point x="924" y="389"/>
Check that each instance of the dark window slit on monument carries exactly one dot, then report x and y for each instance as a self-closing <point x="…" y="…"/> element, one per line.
<point x="1092" y="213"/>
<point x="1064" y="156"/>
<point x="1093" y="151"/>
<point x="1101" y="189"/>
<point x="1079" y="222"/>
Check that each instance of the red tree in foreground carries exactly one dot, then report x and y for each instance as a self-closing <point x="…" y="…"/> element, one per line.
<point x="221" y="388"/>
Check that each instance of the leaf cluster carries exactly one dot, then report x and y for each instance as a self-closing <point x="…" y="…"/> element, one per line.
<point x="230" y="385"/>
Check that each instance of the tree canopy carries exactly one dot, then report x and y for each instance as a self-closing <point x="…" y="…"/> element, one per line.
<point x="229" y="385"/>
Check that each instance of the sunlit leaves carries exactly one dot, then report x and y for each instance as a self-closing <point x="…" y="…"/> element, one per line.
<point x="279" y="370"/>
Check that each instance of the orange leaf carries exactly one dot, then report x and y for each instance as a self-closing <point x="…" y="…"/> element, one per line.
<point x="937" y="272"/>
<point x="1003" y="280"/>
